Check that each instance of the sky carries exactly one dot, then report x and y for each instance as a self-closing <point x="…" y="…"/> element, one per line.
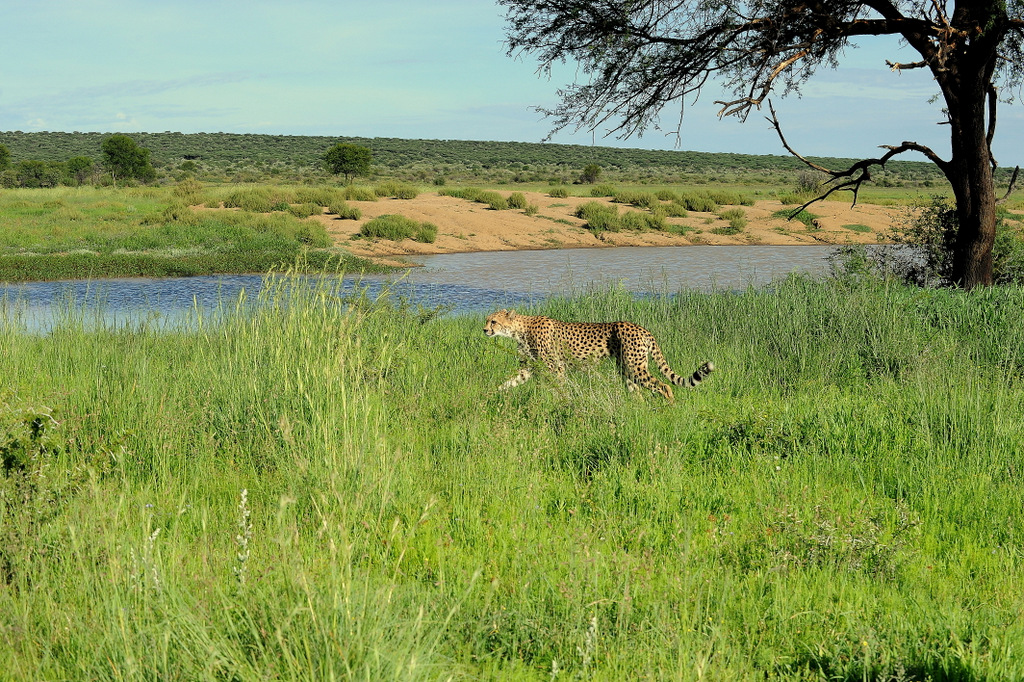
<point x="395" y="68"/>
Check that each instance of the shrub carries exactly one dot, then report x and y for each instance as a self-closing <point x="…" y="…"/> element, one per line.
<point x="591" y="173"/>
<point x="667" y="195"/>
<point x="531" y="210"/>
<point x="558" y="192"/>
<point x="603" y="191"/>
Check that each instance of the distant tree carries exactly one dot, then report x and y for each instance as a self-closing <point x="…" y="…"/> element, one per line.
<point x="637" y="56"/>
<point x="125" y="159"/>
<point x="591" y="173"/>
<point x="5" y="157"/>
<point x="349" y="159"/>
<point x="79" y="169"/>
<point x="33" y="174"/>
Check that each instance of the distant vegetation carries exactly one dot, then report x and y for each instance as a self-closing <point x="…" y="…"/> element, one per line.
<point x="226" y="157"/>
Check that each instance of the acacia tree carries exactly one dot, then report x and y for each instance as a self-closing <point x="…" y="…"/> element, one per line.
<point x="641" y="55"/>
<point x="124" y="158"/>
<point x="349" y="159"/>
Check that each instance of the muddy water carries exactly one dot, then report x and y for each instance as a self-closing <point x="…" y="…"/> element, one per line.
<point x="466" y="282"/>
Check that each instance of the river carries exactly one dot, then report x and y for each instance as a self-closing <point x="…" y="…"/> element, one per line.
<point x="462" y="282"/>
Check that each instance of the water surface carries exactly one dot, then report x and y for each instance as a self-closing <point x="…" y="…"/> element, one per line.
<point x="461" y="282"/>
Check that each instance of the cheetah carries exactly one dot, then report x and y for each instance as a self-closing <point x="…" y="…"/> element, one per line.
<point x="553" y="342"/>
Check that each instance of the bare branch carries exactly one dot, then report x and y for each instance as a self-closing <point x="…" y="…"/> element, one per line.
<point x="901" y="66"/>
<point x="852" y="178"/>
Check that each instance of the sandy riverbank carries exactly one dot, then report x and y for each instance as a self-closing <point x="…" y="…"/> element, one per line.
<point x="465" y="226"/>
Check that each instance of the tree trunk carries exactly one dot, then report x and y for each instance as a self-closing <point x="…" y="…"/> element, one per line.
<point x="970" y="173"/>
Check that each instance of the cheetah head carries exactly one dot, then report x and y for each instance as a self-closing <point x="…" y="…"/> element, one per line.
<point x="501" y="323"/>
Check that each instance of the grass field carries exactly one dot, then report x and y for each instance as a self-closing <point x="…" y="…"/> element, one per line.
<point x="313" y="490"/>
<point x="92" y="232"/>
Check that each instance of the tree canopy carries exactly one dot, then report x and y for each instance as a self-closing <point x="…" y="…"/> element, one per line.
<point x="348" y="159"/>
<point x="637" y="56"/>
<point x="125" y="159"/>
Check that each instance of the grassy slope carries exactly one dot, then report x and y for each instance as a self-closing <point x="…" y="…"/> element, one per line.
<point x="840" y="500"/>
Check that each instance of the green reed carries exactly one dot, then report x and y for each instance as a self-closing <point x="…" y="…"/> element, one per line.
<point x="330" y="486"/>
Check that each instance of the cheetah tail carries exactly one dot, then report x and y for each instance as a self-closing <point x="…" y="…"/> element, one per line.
<point x="689" y="381"/>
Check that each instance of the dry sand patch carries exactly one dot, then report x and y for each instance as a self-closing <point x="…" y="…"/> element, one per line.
<point x="466" y="226"/>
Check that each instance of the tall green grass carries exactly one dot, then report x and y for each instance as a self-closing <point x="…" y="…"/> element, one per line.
<point x="331" y="487"/>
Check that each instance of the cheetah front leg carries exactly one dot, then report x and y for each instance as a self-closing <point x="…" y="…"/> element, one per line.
<point x="518" y="380"/>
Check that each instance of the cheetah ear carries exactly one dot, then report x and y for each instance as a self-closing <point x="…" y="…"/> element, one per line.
<point x="512" y="314"/>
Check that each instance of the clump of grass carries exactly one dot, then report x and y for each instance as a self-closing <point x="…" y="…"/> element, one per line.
<point x="804" y="216"/>
<point x="857" y="227"/>
<point x="397" y="227"/>
<point x="698" y="202"/>
<point x="481" y="196"/>
<point x="599" y="217"/>
<point x="321" y="195"/>
<point x="517" y="200"/>
<point x="635" y="198"/>
<point x="396" y="190"/>
<point x="603" y="190"/>
<point x="641" y="222"/>
<point x="353" y="193"/>
<point x="666" y="195"/>
<point x="341" y="209"/>
<point x="531" y="209"/>
<point x="189" y="190"/>
<point x="558" y="192"/>
<point x="259" y="199"/>
<point x="305" y="210"/>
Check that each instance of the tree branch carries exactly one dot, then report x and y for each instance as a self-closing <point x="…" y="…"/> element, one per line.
<point x="1013" y="186"/>
<point x="852" y="178"/>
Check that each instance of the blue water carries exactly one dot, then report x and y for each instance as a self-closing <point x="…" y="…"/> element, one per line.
<point x="465" y="282"/>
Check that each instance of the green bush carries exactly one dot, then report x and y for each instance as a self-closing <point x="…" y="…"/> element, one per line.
<point x="667" y="195"/>
<point x="603" y="191"/>
<point x="531" y="209"/>
<point x="558" y="192"/>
